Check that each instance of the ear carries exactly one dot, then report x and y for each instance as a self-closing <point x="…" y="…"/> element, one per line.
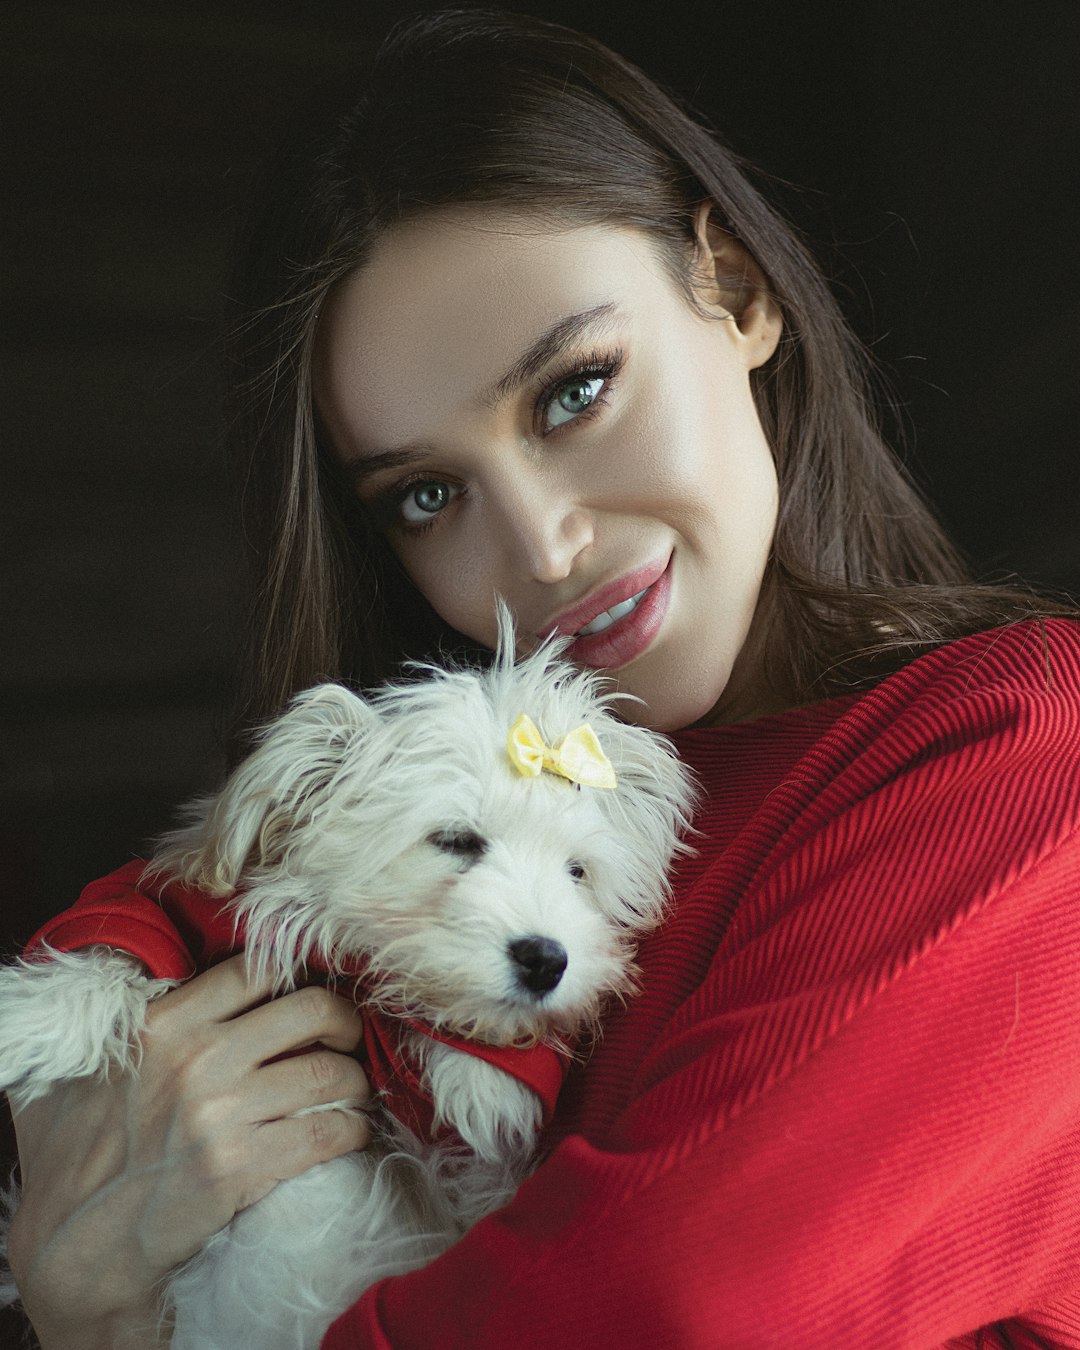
<point x="731" y="283"/>
<point x="271" y="796"/>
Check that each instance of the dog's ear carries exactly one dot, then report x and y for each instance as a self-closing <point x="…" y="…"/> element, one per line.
<point x="651" y="809"/>
<point x="274" y="793"/>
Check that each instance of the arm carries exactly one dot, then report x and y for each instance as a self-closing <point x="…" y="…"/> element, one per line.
<point x="125" y="1179"/>
<point x="912" y="1176"/>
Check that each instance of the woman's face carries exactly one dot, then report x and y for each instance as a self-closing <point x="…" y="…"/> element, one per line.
<point x="540" y="415"/>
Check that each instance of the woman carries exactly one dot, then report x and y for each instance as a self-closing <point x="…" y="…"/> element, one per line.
<point x="517" y="325"/>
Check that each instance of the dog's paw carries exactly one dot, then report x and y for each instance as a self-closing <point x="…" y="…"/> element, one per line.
<point x="496" y="1115"/>
<point x="70" y="1015"/>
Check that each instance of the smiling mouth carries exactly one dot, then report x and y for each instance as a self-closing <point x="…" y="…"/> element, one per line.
<point x="608" y="604"/>
<point x="609" y="616"/>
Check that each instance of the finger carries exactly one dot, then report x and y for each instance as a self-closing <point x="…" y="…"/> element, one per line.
<point x="304" y="1017"/>
<point x="311" y="1079"/>
<point x="220" y="993"/>
<point x="285" y="1148"/>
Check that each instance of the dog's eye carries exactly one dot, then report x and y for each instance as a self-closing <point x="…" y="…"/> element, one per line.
<point x="462" y="843"/>
<point x="576" y="871"/>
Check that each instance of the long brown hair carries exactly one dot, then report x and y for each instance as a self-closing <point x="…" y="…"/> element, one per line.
<point x="489" y="107"/>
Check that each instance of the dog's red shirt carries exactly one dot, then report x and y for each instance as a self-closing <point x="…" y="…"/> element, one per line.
<point x="176" y="931"/>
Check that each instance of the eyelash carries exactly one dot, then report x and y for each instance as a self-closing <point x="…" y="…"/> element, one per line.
<point x="597" y="365"/>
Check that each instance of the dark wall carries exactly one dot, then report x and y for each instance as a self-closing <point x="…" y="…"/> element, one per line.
<point x="928" y="151"/>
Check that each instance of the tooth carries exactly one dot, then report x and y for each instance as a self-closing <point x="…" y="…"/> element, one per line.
<point x="598" y="625"/>
<point x="617" y="611"/>
<point x="610" y="616"/>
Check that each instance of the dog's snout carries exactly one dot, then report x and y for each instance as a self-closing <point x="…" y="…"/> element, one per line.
<point x="540" y="962"/>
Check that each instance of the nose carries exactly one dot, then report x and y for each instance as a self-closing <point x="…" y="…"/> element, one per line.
<point x="553" y="554"/>
<point x="544" y="532"/>
<point x="540" y="963"/>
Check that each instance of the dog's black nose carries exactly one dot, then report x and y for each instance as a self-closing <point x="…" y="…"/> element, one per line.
<point x="540" y="961"/>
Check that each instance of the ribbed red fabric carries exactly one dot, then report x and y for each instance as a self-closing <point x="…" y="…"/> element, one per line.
<point x="844" y="1112"/>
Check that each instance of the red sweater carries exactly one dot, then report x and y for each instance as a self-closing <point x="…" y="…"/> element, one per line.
<point x="844" y="1112"/>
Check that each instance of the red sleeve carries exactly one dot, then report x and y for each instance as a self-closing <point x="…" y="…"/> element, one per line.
<point x="918" y="1176"/>
<point x="172" y="929"/>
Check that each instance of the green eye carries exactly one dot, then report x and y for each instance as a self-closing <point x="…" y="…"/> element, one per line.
<point x="573" y="398"/>
<point x="578" y="392"/>
<point x="425" y="500"/>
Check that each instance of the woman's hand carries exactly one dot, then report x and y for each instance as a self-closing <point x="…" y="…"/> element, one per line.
<point x="122" y="1180"/>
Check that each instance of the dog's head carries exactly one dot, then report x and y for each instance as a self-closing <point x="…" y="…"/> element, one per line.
<point x="397" y="830"/>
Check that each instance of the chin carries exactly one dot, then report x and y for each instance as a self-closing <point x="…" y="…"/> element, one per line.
<point x="668" y="704"/>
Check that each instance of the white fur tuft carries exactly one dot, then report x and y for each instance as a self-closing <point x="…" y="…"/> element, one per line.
<point x="71" y="1015"/>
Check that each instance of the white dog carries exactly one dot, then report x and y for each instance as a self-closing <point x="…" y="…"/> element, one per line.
<point x="482" y="848"/>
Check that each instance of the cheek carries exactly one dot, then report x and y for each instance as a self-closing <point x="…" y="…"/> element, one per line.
<point x="456" y="575"/>
<point x="692" y="431"/>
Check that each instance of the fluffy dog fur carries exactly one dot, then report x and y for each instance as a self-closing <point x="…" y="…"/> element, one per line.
<point x="393" y="829"/>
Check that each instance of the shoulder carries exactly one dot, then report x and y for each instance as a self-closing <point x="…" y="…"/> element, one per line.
<point x="949" y="787"/>
<point x="1032" y="663"/>
<point x="937" y="815"/>
<point x="1004" y="703"/>
<point x="967" y="754"/>
<point x="997" y="711"/>
<point x="994" y="715"/>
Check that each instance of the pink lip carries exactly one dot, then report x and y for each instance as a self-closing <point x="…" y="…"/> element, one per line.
<point x="629" y="636"/>
<point x="605" y="597"/>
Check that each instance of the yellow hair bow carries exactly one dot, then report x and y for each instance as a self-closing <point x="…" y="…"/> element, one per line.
<point x="577" y="757"/>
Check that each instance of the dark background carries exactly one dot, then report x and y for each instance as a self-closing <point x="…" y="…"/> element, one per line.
<point x="927" y="151"/>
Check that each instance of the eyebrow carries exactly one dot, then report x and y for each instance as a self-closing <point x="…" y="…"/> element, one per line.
<point x="562" y="334"/>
